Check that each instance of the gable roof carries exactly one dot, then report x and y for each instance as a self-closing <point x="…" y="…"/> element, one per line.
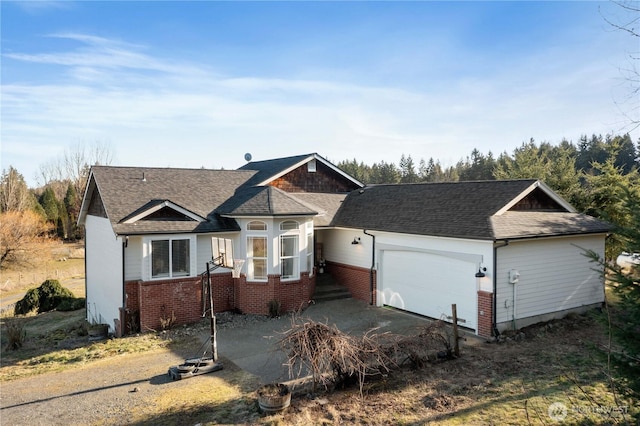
<point x="471" y="210"/>
<point x="269" y="170"/>
<point x="129" y="191"/>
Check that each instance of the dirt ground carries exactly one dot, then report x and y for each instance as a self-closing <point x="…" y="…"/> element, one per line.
<point x="552" y="373"/>
<point x="514" y="382"/>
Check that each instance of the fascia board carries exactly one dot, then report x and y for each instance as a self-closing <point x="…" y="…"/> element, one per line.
<point x="84" y="207"/>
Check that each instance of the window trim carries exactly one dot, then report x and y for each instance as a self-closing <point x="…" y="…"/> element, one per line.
<point x="249" y="260"/>
<point x="295" y="257"/>
<point x="170" y="239"/>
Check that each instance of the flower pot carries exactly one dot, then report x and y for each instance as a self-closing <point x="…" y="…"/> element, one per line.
<point x="273" y="398"/>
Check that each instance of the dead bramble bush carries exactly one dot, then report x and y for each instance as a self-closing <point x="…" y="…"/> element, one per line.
<point x="15" y="335"/>
<point x="333" y="357"/>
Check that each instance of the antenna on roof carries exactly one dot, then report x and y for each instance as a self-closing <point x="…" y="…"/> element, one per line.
<point x="247" y="157"/>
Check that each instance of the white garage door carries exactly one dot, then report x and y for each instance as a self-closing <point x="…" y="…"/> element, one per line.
<point x="429" y="284"/>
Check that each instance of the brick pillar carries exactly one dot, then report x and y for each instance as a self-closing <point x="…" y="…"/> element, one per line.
<point x="485" y="313"/>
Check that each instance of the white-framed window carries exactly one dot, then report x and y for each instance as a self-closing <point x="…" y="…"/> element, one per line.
<point x="289" y="225"/>
<point x="289" y="257"/>
<point x="256" y="225"/>
<point x="257" y="258"/>
<point x="170" y="258"/>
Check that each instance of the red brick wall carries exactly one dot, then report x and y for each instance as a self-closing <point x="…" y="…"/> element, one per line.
<point x="485" y="313"/>
<point x="162" y="299"/>
<point x="356" y="279"/>
<point x="254" y="297"/>
<point x="152" y="300"/>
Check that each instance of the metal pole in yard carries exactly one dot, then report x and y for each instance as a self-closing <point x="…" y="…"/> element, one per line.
<point x="214" y="343"/>
<point x="454" y="314"/>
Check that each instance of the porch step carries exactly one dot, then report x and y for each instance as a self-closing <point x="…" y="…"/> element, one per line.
<point x="328" y="289"/>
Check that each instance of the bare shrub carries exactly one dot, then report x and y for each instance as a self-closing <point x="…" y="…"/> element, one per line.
<point x="432" y="343"/>
<point x="274" y="308"/>
<point x="332" y="356"/>
<point x="167" y="321"/>
<point x="15" y="335"/>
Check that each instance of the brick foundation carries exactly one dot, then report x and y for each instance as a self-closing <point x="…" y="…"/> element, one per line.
<point x="485" y="313"/>
<point x="149" y="301"/>
<point x="356" y="279"/>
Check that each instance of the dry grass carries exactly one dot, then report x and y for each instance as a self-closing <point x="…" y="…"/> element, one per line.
<point x="55" y="260"/>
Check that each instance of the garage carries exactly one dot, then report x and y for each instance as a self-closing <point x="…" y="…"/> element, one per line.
<point x="428" y="284"/>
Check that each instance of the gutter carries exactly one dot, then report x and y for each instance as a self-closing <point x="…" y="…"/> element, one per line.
<point x="495" y="286"/>
<point x="373" y="264"/>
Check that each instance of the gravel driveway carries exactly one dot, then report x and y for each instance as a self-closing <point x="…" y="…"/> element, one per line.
<point x="124" y="389"/>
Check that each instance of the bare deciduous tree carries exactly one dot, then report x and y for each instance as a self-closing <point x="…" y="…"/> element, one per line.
<point x="20" y="233"/>
<point x="74" y="164"/>
<point x="14" y="193"/>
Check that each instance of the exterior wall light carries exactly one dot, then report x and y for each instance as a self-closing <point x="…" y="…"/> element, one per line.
<point x="356" y="240"/>
<point x="481" y="273"/>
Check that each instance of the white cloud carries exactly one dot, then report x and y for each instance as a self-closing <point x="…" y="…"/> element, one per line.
<point x="161" y="112"/>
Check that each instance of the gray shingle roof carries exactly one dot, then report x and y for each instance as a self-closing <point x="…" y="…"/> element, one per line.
<point x="264" y="201"/>
<point x="327" y="205"/>
<point x="524" y="224"/>
<point x="269" y="168"/>
<point x="200" y="191"/>
<point x="452" y="209"/>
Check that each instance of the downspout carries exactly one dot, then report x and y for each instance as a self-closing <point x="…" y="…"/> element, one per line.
<point x="495" y="287"/>
<point x="373" y="264"/>
<point x="125" y="244"/>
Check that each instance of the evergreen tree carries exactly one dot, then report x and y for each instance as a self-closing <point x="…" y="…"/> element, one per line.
<point x="407" y="170"/>
<point x="50" y="205"/>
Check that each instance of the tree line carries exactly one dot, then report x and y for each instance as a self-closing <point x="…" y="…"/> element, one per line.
<point x="30" y="215"/>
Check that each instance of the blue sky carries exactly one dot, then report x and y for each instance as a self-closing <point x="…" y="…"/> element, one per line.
<point x="199" y="84"/>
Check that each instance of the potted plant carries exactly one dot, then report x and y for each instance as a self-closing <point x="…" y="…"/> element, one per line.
<point x="274" y="397"/>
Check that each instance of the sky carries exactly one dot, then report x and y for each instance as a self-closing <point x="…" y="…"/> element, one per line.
<point x="199" y="84"/>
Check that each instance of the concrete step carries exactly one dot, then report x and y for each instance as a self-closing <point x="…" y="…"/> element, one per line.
<point x="327" y="289"/>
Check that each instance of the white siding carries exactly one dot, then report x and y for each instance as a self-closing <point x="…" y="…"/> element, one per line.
<point x="204" y="255"/>
<point x="554" y="276"/>
<point x="133" y="259"/>
<point x="337" y="247"/>
<point x="104" y="272"/>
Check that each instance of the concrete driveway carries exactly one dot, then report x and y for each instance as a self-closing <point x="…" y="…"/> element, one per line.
<point x="254" y="348"/>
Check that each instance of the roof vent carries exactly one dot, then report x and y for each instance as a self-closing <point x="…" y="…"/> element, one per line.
<point x="144" y="179"/>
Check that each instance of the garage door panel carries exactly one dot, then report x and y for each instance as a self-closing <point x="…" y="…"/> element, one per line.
<point x="429" y="284"/>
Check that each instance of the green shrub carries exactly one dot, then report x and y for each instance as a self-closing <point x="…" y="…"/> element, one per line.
<point x="49" y="296"/>
<point x="71" y="304"/>
<point x="30" y="302"/>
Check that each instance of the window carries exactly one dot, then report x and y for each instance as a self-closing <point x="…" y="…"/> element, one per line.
<point x="256" y="225"/>
<point x="170" y="258"/>
<point x="289" y="225"/>
<point x="257" y="258"/>
<point x="289" y="268"/>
